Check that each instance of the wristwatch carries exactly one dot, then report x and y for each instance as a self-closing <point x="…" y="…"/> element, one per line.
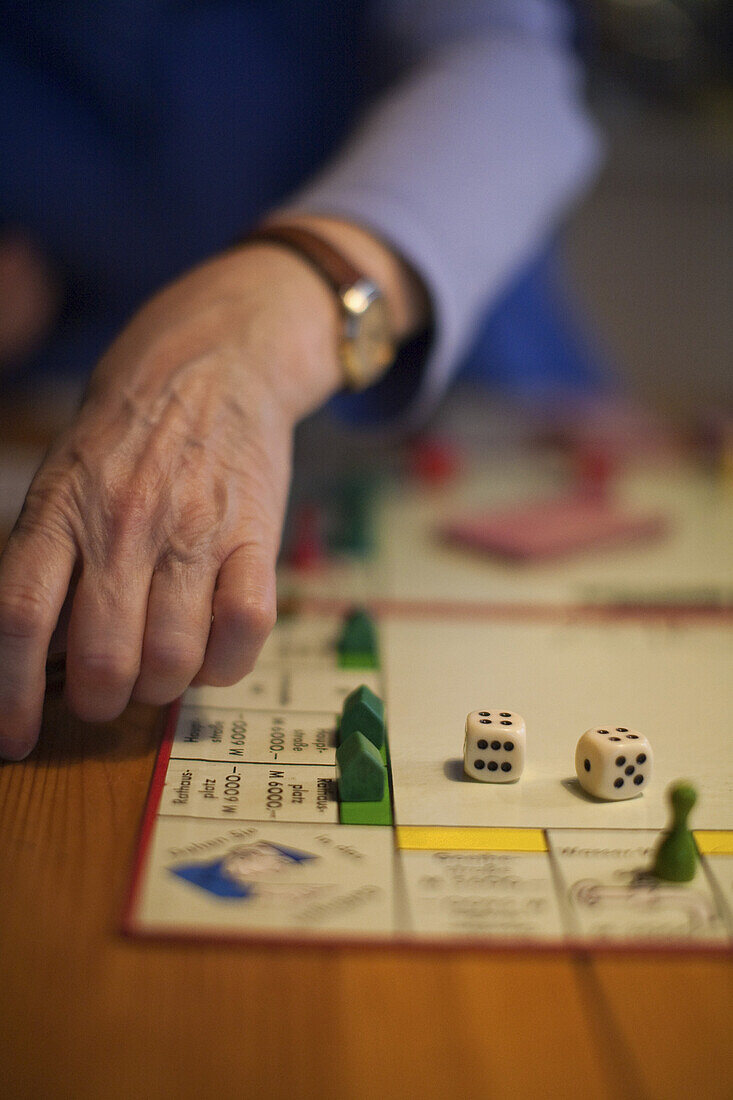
<point x="366" y="345"/>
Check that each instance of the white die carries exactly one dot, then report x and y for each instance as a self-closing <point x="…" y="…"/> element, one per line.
<point x="613" y="762"/>
<point x="495" y="745"/>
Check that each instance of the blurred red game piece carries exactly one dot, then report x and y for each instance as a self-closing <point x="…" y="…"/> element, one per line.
<point x="593" y="470"/>
<point x="306" y="547"/>
<point x="433" y="462"/>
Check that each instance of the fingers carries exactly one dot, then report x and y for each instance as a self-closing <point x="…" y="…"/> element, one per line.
<point x="150" y="638"/>
<point x="147" y="638"/>
<point x="131" y="632"/>
<point x="105" y="638"/>
<point x="179" y="618"/>
<point x="35" y="571"/>
<point x="244" y="611"/>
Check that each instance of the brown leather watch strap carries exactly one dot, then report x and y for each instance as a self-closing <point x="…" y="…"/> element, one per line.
<point x="326" y="260"/>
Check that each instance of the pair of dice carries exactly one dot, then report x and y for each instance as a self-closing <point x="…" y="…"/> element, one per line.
<point x="611" y="762"/>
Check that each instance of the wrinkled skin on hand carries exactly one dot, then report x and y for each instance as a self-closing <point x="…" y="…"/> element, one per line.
<point x="157" y="516"/>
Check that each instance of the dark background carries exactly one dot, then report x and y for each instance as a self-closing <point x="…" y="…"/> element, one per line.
<point x="651" y="245"/>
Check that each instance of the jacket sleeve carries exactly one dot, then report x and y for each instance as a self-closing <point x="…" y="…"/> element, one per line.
<point x="467" y="160"/>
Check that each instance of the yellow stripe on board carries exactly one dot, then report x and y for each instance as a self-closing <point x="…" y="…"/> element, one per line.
<point x="450" y="838"/>
<point x="714" y="842"/>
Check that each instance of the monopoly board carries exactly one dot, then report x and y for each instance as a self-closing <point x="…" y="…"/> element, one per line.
<point x="242" y="836"/>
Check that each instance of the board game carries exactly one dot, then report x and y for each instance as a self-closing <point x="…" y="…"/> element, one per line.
<point x="244" y="835"/>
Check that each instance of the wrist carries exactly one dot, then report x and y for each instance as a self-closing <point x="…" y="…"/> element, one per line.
<point x="294" y="325"/>
<point x="404" y="293"/>
<point x="268" y="320"/>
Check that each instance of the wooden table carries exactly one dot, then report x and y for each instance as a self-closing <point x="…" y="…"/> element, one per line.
<point x="87" y="1012"/>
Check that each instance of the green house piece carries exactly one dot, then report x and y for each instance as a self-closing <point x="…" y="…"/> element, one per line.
<point x="363" y="711"/>
<point x="354" y="532"/>
<point x="361" y="773"/>
<point x="357" y="644"/>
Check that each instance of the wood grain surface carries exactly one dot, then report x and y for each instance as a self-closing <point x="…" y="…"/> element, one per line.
<point x="89" y="1013"/>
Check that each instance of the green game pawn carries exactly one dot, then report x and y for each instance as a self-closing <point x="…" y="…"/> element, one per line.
<point x="676" y="855"/>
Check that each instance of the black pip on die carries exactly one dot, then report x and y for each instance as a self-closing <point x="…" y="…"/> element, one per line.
<point x="613" y="762"/>
<point x="495" y="746"/>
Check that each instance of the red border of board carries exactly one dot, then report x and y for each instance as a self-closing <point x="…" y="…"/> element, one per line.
<point x="150" y="814"/>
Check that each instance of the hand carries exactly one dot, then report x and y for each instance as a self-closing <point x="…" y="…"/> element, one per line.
<point x="161" y="508"/>
<point x="157" y="516"/>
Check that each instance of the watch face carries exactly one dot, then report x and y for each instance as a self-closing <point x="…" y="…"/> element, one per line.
<point x="368" y="347"/>
<point x="373" y="338"/>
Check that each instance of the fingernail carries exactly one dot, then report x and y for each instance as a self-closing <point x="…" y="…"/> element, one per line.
<point x="10" y="749"/>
